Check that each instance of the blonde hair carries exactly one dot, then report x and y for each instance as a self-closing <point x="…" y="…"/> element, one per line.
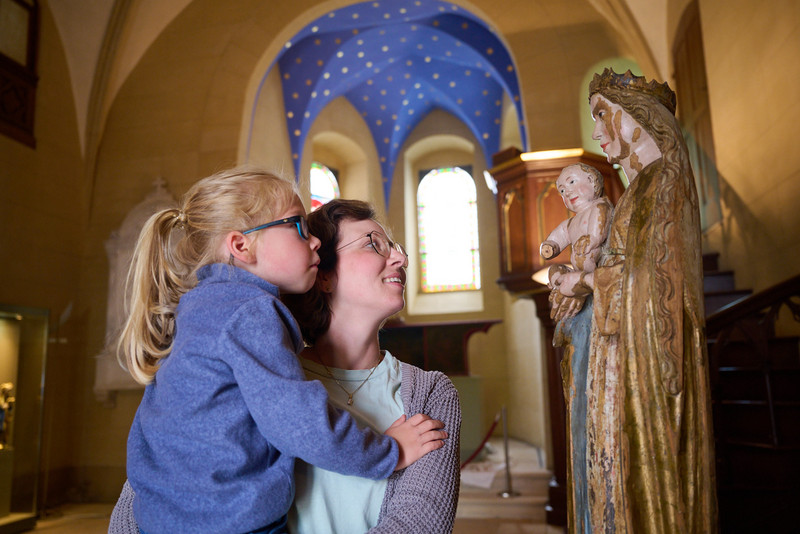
<point x="176" y="242"/>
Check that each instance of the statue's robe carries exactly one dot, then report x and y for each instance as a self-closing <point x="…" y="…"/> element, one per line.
<point x="650" y="456"/>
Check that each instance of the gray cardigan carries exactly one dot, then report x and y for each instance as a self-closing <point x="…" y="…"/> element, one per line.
<point x="419" y="499"/>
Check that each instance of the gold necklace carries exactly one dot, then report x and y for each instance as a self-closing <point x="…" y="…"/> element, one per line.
<point x="350" y="395"/>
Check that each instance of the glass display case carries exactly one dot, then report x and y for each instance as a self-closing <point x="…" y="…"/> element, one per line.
<point x="23" y="348"/>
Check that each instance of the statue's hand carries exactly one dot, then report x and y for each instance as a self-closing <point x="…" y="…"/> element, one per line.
<point x="554" y="274"/>
<point x="567" y="283"/>
<point x="562" y="307"/>
<point x="576" y="284"/>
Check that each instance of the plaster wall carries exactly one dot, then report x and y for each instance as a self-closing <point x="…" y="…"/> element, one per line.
<point x="649" y="15"/>
<point x="42" y="225"/>
<point x="675" y="11"/>
<point x="753" y="75"/>
<point x="265" y="140"/>
<point x="361" y="171"/>
<point x="176" y="117"/>
<point x="527" y="373"/>
<point x="81" y="26"/>
<point x="552" y="63"/>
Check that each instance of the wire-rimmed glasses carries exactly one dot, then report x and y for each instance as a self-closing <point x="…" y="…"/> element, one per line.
<point x="380" y="244"/>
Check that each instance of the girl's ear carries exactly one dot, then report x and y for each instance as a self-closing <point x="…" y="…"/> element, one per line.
<point x="239" y="246"/>
<point x="326" y="282"/>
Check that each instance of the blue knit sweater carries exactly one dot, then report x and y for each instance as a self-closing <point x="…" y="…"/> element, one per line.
<point x="229" y="409"/>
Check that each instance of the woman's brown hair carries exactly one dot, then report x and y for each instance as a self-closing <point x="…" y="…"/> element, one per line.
<point x="311" y="309"/>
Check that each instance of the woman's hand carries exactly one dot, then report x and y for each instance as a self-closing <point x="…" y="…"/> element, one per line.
<point x="416" y="436"/>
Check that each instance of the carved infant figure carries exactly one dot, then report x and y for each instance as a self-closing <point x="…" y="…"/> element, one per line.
<point x="581" y="188"/>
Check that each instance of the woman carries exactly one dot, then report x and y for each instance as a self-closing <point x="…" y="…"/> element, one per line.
<point x="360" y="284"/>
<point x="649" y="444"/>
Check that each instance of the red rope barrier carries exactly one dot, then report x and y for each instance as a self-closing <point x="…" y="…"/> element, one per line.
<point x="483" y="443"/>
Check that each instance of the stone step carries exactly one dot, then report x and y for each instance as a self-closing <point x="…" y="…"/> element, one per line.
<point x="484" y="480"/>
<point x="527" y="482"/>
<point x="487" y="506"/>
<point x="503" y="526"/>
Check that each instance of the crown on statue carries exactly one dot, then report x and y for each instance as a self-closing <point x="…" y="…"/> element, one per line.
<point x="631" y="82"/>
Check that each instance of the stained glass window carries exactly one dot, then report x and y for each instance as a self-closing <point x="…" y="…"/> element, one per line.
<point x="324" y="186"/>
<point x="447" y="218"/>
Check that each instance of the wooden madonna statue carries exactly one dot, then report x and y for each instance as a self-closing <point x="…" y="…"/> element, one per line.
<point x="635" y="369"/>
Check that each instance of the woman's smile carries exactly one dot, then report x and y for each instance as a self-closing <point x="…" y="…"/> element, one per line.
<point x="397" y="278"/>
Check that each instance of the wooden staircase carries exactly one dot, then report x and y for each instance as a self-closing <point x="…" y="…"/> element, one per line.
<point x="719" y="287"/>
<point x="755" y="388"/>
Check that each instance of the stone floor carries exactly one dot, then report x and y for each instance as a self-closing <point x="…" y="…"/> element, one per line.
<point x="526" y="462"/>
<point x="76" y="519"/>
<point x="93" y="519"/>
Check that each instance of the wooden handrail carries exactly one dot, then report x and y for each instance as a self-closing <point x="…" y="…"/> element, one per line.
<point x="751" y="305"/>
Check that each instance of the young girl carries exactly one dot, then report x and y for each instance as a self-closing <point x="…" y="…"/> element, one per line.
<point x="226" y="408"/>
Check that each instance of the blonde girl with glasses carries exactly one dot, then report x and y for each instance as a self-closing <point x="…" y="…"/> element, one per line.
<point x="360" y="283"/>
<point x="226" y="408"/>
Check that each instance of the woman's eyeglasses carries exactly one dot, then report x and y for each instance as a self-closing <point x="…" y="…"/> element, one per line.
<point x="297" y="220"/>
<point x="380" y="244"/>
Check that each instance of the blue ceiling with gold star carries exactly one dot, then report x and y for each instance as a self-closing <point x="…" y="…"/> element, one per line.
<point x="396" y="61"/>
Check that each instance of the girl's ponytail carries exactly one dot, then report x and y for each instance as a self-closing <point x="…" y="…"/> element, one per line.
<point x="155" y="285"/>
<point x="175" y="243"/>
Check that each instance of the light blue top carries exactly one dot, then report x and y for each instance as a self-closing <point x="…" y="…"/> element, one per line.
<point x="330" y="503"/>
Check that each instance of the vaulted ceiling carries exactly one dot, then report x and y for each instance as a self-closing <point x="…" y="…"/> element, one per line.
<point x="395" y="62"/>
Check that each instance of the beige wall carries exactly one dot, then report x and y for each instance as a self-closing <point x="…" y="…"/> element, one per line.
<point x="180" y="112"/>
<point x="177" y="116"/>
<point x="340" y="133"/>
<point x="753" y="70"/>
<point x="552" y="63"/>
<point x="42" y="225"/>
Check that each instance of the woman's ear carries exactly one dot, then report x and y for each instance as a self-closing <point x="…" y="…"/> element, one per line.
<point x="326" y="282"/>
<point x="240" y="247"/>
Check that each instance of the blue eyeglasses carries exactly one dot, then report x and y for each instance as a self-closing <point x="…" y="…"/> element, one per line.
<point x="297" y="220"/>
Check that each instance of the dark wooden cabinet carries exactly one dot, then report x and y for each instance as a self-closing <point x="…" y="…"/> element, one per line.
<point x="529" y="208"/>
<point x="438" y="346"/>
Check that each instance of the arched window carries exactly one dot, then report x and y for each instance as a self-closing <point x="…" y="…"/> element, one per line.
<point x="324" y="186"/>
<point x="447" y="218"/>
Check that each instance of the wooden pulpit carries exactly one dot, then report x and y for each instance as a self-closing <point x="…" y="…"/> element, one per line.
<point x="529" y="208"/>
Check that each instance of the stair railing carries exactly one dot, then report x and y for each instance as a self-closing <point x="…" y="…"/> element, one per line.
<point x="752" y="320"/>
<point x="746" y="504"/>
<point x="769" y="300"/>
